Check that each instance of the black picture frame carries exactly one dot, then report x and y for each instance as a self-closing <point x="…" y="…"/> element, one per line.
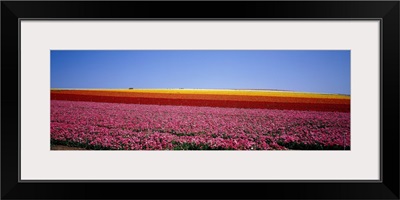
<point x="386" y="11"/>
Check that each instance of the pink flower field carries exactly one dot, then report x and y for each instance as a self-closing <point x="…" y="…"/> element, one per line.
<point x="94" y="125"/>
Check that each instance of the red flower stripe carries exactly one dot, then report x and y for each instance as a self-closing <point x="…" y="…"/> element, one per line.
<point x="205" y="102"/>
<point x="206" y="96"/>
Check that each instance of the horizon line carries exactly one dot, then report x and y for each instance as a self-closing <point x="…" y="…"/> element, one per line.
<point x="133" y="88"/>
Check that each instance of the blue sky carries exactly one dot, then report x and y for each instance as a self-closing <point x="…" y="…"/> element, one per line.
<point x="322" y="71"/>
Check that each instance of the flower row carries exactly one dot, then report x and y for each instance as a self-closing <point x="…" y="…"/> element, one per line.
<point x="132" y="126"/>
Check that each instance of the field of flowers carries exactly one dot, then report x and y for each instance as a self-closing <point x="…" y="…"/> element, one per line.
<point x="224" y="98"/>
<point x="105" y="125"/>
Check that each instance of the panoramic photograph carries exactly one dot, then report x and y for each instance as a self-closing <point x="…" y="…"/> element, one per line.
<point x="200" y="100"/>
